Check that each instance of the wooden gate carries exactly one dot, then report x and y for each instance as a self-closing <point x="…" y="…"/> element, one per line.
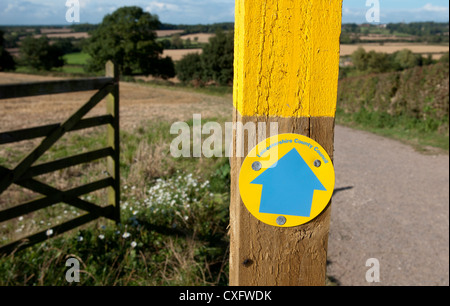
<point x="23" y="174"/>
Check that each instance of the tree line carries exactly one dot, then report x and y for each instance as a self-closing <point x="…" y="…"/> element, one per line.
<point x="430" y="32"/>
<point x="127" y="37"/>
<point x="364" y="62"/>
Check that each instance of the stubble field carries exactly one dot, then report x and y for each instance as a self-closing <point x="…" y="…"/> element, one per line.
<point x="138" y="103"/>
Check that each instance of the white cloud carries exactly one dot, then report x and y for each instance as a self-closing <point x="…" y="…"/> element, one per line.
<point x="427" y="12"/>
<point x="434" y="8"/>
<point x="156" y="7"/>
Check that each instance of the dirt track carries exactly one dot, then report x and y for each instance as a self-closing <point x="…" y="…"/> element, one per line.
<point x="390" y="203"/>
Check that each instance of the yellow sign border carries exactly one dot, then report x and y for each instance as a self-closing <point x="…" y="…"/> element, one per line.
<point x="267" y="153"/>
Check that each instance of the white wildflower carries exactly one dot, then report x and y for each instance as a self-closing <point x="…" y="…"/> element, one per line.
<point x="49" y="232"/>
<point x="133" y="244"/>
<point x="101" y="236"/>
<point x="126" y="235"/>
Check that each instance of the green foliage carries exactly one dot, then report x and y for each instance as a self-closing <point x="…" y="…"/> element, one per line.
<point x="406" y="59"/>
<point x="128" y="38"/>
<point x="376" y="62"/>
<point x="214" y="64"/>
<point x="430" y="32"/>
<point x="218" y="58"/>
<point x="415" y="101"/>
<point x="78" y="58"/>
<point x="83" y="27"/>
<point x="173" y="229"/>
<point x="189" y="68"/>
<point x="65" y="45"/>
<point x="39" y="54"/>
<point x="176" y="42"/>
<point x="444" y="59"/>
<point x="6" y="60"/>
<point x="164" y="68"/>
<point x="433" y="32"/>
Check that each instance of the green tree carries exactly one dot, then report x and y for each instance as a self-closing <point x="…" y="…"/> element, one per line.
<point x="360" y="59"/>
<point x="444" y="58"/>
<point x="164" y="68"/>
<point x="378" y="62"/>
<point x="39" y="54"/>
<point x="190" y="68"/>
<point x="405" y="59"/>
<point x="177" y="42"/>
<point x="127" y="37"/>
<point x="218" y="57"/>
<point x="6" y="60"/>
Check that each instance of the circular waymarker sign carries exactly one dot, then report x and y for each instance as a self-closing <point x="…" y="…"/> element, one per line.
<point x="287" y="180"/>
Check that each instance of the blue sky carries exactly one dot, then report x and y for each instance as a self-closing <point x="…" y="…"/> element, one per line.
<point x="29" y="12"/>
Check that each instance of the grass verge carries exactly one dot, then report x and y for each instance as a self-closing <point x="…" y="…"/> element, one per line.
<point x="423" y="135"/>
<point x="174" y="220"/>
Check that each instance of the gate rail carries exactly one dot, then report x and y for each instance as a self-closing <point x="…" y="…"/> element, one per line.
<point x="24" y="172"/>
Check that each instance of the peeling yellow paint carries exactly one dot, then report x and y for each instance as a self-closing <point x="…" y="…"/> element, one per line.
<point x="287" y="57"/>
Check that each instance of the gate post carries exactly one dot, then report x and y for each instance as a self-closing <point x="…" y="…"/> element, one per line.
<point x="286" y="71"/>
<point x="113" y="136"/>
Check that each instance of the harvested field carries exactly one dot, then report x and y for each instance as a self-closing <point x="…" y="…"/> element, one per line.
<point x="138" y="103"/>
<point x="78" y="35"/>
<point x="393" y="47"/>
<point x="178" y="54"/>
<point x="381" y="37"/>
<point x="56" y="31"/>
<point x="167" y="33"/>
<point x="202" y="37"/>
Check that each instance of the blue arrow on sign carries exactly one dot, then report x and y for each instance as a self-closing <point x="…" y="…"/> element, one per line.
<point x="288" y="187"/>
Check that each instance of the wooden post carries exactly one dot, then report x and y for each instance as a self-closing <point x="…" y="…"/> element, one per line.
<point x="286" y="71"/>
<point x="112" y="108"/>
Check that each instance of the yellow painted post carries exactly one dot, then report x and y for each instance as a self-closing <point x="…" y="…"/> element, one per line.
<point x="286" y="71"/>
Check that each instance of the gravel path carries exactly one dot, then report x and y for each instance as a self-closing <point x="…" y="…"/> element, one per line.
<point x="391" y="203"/>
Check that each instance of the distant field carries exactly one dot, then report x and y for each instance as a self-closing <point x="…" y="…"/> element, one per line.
<point x="381" y="37"/>
<point x="202" y="37"/>
<point x="80" y="59"/>
<point x="393" y="47"/>
<point x="167" y="33"/>
<point x="65" y="35"/>
<point x="435" y="50"/>
<point x="178" y="54"/>
<point x="76" y="58"/>
<point x="54" y="31"/>
<point x="138" y="103"/>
